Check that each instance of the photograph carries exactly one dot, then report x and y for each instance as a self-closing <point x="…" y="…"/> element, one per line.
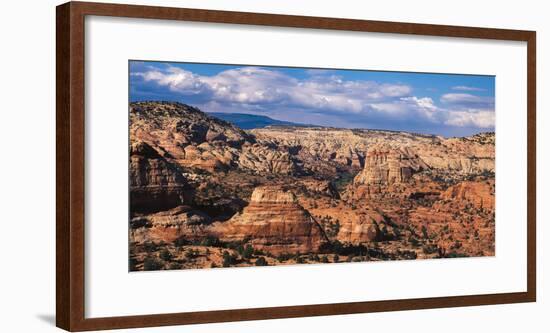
<point x="275" y="166"/>
<point x="242" y="165"/>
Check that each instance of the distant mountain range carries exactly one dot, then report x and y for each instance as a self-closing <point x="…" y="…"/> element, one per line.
<point x="251" y="121"/>
<point x="310" y="192"/>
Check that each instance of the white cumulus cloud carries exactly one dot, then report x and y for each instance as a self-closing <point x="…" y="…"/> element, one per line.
<point x="253" y="85"/>
<point x="258" y="89"/>
<point x="465" y="99"/>
<point x="467" y="88"/>
<point x="474" y="118"/>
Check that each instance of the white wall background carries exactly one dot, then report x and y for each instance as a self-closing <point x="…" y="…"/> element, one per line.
<point x="27" y="165"/>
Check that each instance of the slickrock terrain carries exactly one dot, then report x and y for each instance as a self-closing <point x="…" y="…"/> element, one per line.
<point x="155" y="183"/>
<point x="389" y="165"/>
<point x="479" y="194"/>
<point x="349" y="147"/>
<point x="193" y="139"/>
<point x="205" y="193"/>
<point x="169" y="225"/>
<point x="263" y="159"/>
<point x="274" y="222"/>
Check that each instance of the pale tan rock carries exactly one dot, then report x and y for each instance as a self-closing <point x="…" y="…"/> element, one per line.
<point x="345" y="147"/>
<point x="186" y="135"/>
<point x="360" y="228"/>
<point x="386" y="165"/>
<point x="321" y="187"/>
<point x="265" y="160"/>
<point x="169" y="225"/>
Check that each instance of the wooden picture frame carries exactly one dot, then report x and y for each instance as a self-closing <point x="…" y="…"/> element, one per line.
<point x="70" y="192"/>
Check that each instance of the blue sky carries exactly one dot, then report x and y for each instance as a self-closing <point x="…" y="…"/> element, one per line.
<point x="442" y="104"/>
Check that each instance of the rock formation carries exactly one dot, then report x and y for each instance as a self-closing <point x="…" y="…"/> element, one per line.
<point x="204" y="193"/>
<point x="181" y="124"/>
<point x="169" y="225"/>
<point x="155" y="183"/>
<point x="479" y="194"/>
<point x="319" y="148"/>
<point x="321" y="187"/>
<point x="186" y="136"/>
<point x="361" y="228"/>
<point x="274" y="222"/>
<point x="193" y="139"/>
<point x="389" y="165"/>
<point x="263" y="159"/>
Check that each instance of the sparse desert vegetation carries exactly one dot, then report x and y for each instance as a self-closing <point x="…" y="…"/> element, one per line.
<point x="207" y="194"/>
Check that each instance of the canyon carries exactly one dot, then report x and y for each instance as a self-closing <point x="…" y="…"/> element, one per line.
<point x="205" y="193"/>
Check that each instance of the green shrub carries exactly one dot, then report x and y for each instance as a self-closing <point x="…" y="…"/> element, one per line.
<point x="240" y="250"/>
<point x="429" y="249"/>
<point x="181" y="241"/>
<point x="284" y="257"/>
<point x="165" y="255"/>
<point x="149" y="247"/>
<point x="248" y="251"/>
<point x="175" y="265"/>
<point x="228" y="259"/>
<point x="211" y="241"/>
<point x="425" y="232"/>
<point x="413" y="241"/>
<point x="191" y="254"/>
<point x="261" y="262"/>
<point x="152" y="264"/>
<point x="133" y="263"/>
<point x="454" y="254"/>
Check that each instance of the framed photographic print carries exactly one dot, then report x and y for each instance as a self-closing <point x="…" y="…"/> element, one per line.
<point x="222" y="166"/>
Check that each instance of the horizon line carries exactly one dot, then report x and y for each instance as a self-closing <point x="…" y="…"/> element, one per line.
<point x="303" y="125"/>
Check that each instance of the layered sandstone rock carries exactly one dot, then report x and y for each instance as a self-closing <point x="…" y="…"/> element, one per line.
<point x="191" y="138"/>
<point x="186" y="136"/>
<point x="479" y="194"/>
<point x="169" y="225"/>
<point x="361" y="228"/>
<point x="182" y="123"/>
<point x="275" y="222"/>
<point x="389" y="165"/>
<point x="345" y="147"/>
<point x="155" y="183"/>
<point x="195" y="178"/>
<point x="313" y="145"/>
<point x="322" y="187"/>
<point x="465" y="155"/>
<point x="264" y="159"/>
